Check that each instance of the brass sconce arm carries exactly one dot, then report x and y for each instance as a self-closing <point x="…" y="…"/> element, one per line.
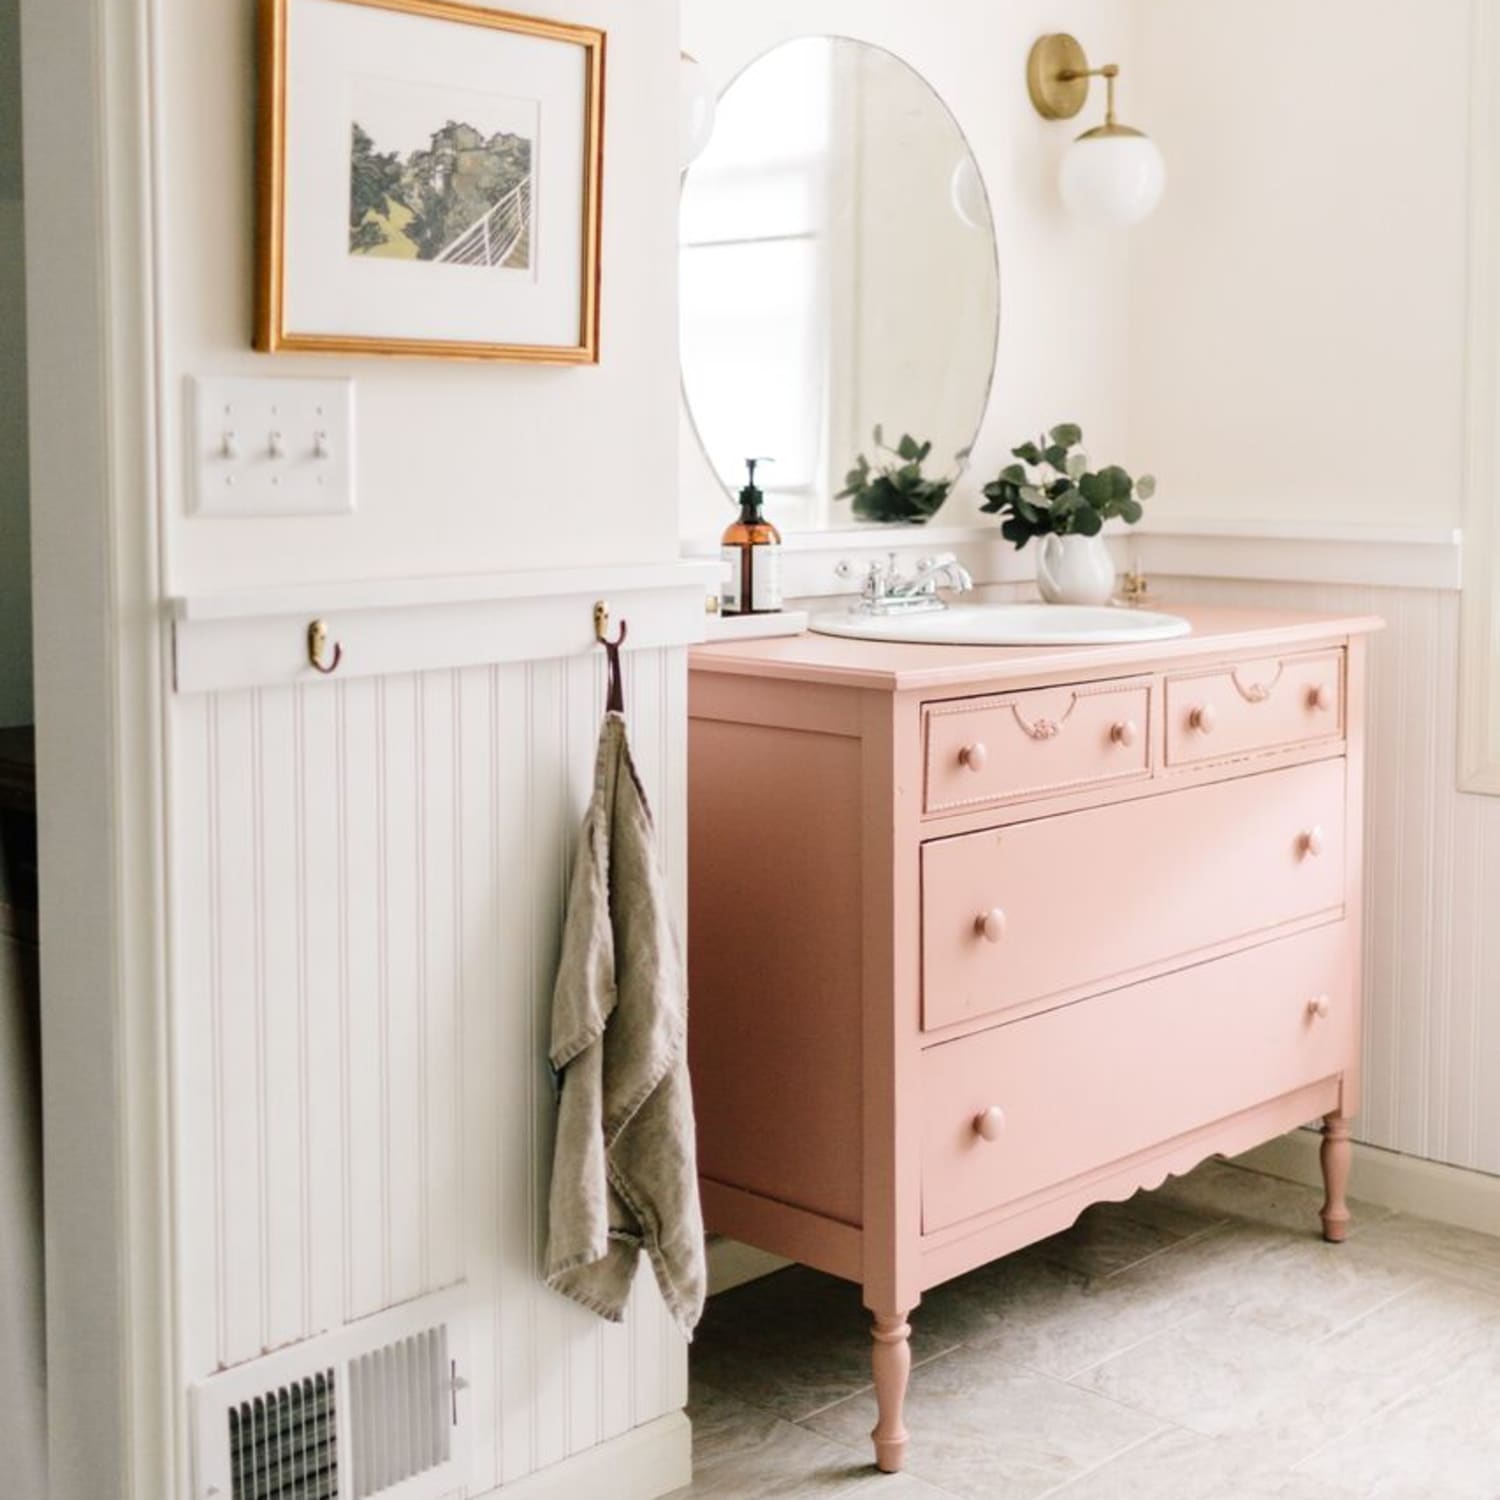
<point x="1057" y="78"/>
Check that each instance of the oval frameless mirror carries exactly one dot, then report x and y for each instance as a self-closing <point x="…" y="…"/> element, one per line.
<point x="839" y="274"/>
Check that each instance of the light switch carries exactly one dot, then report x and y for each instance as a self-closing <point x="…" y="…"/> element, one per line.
<point x="272" y="447"/>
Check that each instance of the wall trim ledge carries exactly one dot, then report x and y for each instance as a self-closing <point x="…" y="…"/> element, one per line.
<point x="823" y="564"/>
<point x="1459" y="1196"/>
<point x="258" y="638"/>
<point x="642" y="1464"/>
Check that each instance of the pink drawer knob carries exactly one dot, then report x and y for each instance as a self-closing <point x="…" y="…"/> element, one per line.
<point x="1321" y="698"/>
<point x="974" y="756"/>
<point x="989" y="1124"/>
<point x="1318" y="1007"/>
<point x="1203" y="718"/>
<point x="990" y="925"/>
<point x="1313" y="842"/>
<point x="1124" y="733"/>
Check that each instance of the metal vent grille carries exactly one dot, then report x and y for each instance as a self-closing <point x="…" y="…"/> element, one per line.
<point x="283" y="1445"/>
<point x="402" y="1408"/>
<point x="373" y="1410"/>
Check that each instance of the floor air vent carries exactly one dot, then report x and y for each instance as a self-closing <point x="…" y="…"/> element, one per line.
<point x="373" y="1411"/>
<point x="284" y="1444"/>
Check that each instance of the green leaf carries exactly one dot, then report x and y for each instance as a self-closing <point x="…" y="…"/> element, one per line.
<point x="1016" y="531"/>
<point x="1015" y="473"/>
<point x="1077" y="466"/>
<point x="1028" y="453"/>
<point x="1095" y="488"/>
<point x="1087" y="521"/>
<point x="1130" y="511"/>
<point x="1060" y="487"/>
<point x="1145" y="486"/>
<point x="1057" y="456"/>
<point x="1031" y="494"/>
<point x="1068" y="434"/>
<point x="908" y="448"/>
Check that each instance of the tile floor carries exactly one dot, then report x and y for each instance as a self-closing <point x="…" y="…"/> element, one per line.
<point x="1196" y="1343"/>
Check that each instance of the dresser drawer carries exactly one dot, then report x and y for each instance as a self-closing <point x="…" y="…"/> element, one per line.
<point x="1088" y="899"/>
<point x="1033" y="1104"/>
<point x="1253" y="706"/>
<point x="982" y="751"/>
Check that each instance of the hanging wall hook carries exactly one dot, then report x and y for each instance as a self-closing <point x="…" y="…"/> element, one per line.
<point x="615" y="702"/>
<point x="317" y="648"/>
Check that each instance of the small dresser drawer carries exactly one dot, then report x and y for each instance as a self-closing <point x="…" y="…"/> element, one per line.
<point x="984" y="751"/>
<point x="1033" y="1104"/>
<point x="1254" y="706"/>
<point x="1087" y="899"/>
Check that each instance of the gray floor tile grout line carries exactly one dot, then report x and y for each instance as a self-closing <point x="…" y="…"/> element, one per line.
<point x="1072" y="1377"/>
<point x="1129" y="1448"/>
<point x="1369" y="1312"/>
<point x="1370" y="1418"/>
<point x="1207" y="1232"/>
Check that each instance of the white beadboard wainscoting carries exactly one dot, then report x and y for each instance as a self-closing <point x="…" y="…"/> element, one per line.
<point x="1432" y="940"/>
<point x="367" y="888"/>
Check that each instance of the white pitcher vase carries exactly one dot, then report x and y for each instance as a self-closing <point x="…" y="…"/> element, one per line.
<point x="1075" y="570"/>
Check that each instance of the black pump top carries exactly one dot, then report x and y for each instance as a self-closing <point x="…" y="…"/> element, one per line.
<point x="751" y="499"/>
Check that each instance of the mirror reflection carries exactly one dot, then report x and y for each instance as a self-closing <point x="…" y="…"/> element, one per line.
<point x="839" y="275"/>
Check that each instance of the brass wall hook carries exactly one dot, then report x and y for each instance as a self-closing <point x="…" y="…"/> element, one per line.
<point x="317" y="649"/>
<point x="615" y="697"/>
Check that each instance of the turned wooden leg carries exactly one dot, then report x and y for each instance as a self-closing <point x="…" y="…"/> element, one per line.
<point x="1336" y="1153"/>
<point x="891" y="1359"/>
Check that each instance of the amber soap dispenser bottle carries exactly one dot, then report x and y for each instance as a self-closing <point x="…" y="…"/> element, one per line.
<point x="751" y="550"/>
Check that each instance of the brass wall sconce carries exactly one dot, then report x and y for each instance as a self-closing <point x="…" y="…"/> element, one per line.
<point x="1113" y="175"/>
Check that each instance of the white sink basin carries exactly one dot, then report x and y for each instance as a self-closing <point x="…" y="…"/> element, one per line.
<point x="1007" y="625"/>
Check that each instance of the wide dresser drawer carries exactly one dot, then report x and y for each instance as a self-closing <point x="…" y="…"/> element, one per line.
<point x="1039" y="742"/>
<point x="1035" y="1103"/>
<point x="1253" y="707"/>
<point x="1069" y="904"/>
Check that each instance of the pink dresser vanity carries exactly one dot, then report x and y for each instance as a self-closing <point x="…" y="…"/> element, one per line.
<point x="980" y="935"/>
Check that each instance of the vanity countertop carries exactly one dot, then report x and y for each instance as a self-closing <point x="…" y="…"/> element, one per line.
<point x="899" y="667"/>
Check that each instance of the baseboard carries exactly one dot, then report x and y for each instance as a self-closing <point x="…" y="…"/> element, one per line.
<point x="1408" y="1184"/>
<point x="643" y="1464"/>
<point x="732" y="1264"/>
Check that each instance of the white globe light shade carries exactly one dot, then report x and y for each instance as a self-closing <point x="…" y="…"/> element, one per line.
<point x="966" y="190"/>
<point x="696" y="109"/>
<point x="1113" y="180"/>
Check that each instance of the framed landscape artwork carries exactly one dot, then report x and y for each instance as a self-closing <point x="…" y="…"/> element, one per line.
<point x="430" y="181"/>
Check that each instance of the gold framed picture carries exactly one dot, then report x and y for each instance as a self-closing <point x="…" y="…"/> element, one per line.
<point x="430" y="180"/>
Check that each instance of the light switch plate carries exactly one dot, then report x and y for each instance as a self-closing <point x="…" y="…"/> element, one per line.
<point x="271" y="447"/>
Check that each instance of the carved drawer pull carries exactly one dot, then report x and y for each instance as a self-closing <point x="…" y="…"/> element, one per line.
<point x="990" y="925"/>
<point x="974" y="756"/>
<point x="1320" y="698"/>
<point x="1314" y="842"/>
<point x="989" y="1124"/>
<point x="1318" y="1007"/>
<point x="1124" y="733"/>
<point x="1203" y="718"/>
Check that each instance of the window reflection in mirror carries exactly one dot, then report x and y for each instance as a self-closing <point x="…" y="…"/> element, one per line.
<point x="838" y="271"/>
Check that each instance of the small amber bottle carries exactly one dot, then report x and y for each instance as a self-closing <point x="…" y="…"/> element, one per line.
<point x="751" y="549"/>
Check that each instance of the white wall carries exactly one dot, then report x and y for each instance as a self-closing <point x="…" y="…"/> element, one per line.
<point x="367" y="876"/>
<point x="1297" y="305"/>
<point x="1298" y="323"/>
<point x="15" y="524"/>
<point x="1063" y="290"/>
<point x="464" y="467"/>
<point x="369" y="880"/>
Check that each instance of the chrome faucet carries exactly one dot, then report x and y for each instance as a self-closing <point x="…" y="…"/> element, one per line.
<point x="886" y="592"/>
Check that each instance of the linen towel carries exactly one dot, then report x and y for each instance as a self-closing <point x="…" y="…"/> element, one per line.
<point x="624" y="1166"/>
